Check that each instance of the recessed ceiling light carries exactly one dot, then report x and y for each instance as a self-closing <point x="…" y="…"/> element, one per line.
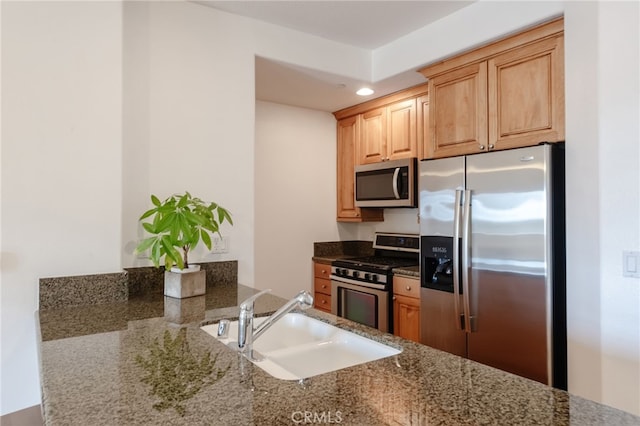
<point x="365" y="91"/>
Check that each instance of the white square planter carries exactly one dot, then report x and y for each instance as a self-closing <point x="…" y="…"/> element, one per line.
<point x="184" y="284"/>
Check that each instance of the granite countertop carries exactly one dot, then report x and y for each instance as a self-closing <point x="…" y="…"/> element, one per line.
<point x="115" y="364"/>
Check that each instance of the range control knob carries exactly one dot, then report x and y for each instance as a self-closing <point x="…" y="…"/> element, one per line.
<point x="367" y="277"/>
<point x="356" y="274"/>
<point x="374" y="278"/>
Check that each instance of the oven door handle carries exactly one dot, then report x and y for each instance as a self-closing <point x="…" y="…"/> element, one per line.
<point x="340" y="279"/>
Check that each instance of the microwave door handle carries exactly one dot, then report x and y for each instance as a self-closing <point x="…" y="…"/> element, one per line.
<point x="396" y="193"/>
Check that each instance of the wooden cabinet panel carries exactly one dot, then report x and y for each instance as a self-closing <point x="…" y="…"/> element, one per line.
<point x="322" y="301"/>
<point x="322" y="270"/>
<point x="423" y="131"/>
<point x="373" y="142"/>
<point x="401" y="134"/>
<point x="406" y="317"/>
<point x="321" y="285"/>
<point x="406" y="308"/>
<point x="526" y="95"/>
<point x="507" y="94"/>
<point x="348" y="136"/>
<point x="458" y="112"/>
<point x="348" y="130"/>
<point x="409" y="287"/>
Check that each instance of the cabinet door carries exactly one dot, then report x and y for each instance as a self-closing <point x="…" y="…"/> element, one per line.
<point x="458" y="112"/>
<point x="423" y="134"/>
<point x="526" y="95"/>
<point x="406" y="317"/>
<point x="373" y="142"/>
<point x="348" y="136"/>
<point x="401" y="130"/>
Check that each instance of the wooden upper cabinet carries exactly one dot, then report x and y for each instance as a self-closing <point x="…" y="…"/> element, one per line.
<point x="348" y="130"/>
<point x="401" y="130"/>
<point x="348" y="137"/>
<point x="423" y="129"/>
<point x="526" y="95"/>
<point x="389" y="133"/>
<point x="373" y="141"/>
<point x="371" y="132"/>
<point x="504" y="95"/>
<point x="458" y="112"/>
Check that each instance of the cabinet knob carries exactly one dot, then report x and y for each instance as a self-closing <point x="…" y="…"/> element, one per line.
<point x="323" y="271"/>
<point x="324" y="286"/>
<point x="324" y="302"/>
<point x="481" y="147"/>
<point x="491" y="146"/>
<point x="408" y="288"/>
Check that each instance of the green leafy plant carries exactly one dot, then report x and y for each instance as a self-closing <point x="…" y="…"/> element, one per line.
<point x="180" y="222"/>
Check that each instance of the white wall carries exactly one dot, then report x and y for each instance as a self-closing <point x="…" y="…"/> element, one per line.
<point x="603" y="197"/>
<point x="194" y="115"/>
<point x="61" y="164"/>
<point x="295" y="203"/>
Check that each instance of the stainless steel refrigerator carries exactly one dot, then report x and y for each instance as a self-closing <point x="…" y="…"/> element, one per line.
<point x="493" y="259"/>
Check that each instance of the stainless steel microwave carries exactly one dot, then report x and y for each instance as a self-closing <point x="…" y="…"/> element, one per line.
<point x="386" y="184"/>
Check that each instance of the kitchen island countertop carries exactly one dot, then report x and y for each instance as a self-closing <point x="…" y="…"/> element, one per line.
<point x="135" y="363"/>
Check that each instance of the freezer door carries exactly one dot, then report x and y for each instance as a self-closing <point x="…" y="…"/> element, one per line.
<point x="437" y="184"/>
<point x="509" y="288"/>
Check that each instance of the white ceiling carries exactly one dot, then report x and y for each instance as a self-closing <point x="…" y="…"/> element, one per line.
<point x="364" y="24"/>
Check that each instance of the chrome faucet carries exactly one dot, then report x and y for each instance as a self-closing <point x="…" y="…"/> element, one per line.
<point x="247" y="334"/>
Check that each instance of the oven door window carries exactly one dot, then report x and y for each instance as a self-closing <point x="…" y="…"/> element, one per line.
<point x="360" y="307"/>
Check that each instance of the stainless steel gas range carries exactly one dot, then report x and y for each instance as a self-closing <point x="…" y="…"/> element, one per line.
<point x="362" y="287"/>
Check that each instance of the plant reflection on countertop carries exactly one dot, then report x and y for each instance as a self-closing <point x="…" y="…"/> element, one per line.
<point x="174" y="373"/>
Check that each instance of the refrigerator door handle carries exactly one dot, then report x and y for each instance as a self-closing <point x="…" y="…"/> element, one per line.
<point x="466" y="249"/>
<point x="456" y="260"/>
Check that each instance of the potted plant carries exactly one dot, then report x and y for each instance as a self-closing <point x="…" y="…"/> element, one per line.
<point x="177" y="224"/>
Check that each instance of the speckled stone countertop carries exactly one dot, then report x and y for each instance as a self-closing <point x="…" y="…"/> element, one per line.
<point x="134" y="363"/>
<point x="408" y="271"/>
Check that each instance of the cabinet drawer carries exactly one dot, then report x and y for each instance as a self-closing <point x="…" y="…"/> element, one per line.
<point x="404" y="286"/>
<point x="321" y="270"/>
<point x="323" y="286"/>
<point x="322" y="301"/>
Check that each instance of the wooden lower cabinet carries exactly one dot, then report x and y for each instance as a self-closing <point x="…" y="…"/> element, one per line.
<point x="322" y="286"/>
<point x="406" y="308"/>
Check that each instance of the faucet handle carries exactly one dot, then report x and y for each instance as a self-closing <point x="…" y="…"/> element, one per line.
<point x="247" y="305"/>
